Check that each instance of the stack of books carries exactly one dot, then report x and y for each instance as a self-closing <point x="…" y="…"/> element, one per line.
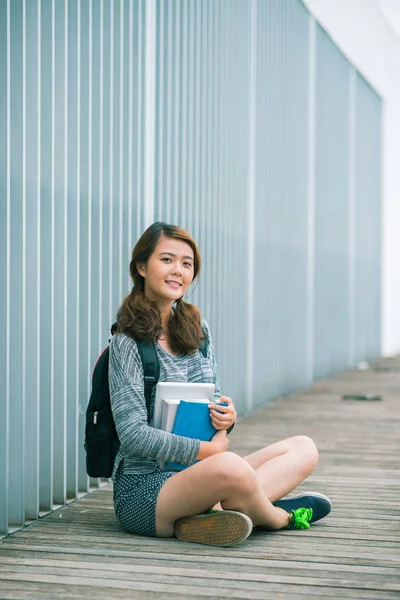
<point x="189" y="418"/>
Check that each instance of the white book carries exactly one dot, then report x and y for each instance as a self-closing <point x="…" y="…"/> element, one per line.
<point x="169" y="407"/>
<point x="168" y="413"/>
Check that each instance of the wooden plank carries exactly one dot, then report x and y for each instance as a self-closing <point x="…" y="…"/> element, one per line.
<point x="250" y="571"/>
<point x="42" y="591"/>
<point x="155" y="582"/>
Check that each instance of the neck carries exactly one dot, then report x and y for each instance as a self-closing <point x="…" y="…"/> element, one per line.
<point x="165" y="312"/>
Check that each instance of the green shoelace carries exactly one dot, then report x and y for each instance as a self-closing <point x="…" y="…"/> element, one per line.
<point x="300" y="518"/>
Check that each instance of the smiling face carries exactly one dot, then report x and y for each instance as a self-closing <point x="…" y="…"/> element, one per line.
<point x="168" y="272"/>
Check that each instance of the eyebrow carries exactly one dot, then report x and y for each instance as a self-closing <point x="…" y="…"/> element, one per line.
<point x="173" y="255"/>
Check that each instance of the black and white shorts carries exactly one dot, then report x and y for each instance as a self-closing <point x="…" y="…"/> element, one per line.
<point x="135" y="499"/>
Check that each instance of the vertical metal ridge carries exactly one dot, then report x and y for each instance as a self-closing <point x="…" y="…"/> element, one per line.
<point x="45" y="172"/>
<point x="78" y="453"/>
<point x="140" y="158"/>
<point x="202" y="142"/>
<point x="149" y="111"/>
<point x="39" y="259"/>
<point x="160" y="116"/>
<point x="190" y="141"/>
<point x="101" y="158"/>
<point x="311" y="200"/>
<point x="121" y="147"/>
<point x="82" y="478"/>
<point x="197" y="112"/>
<point x="52" y="260"/>
<point x="251" y="201"/>
<point x="5" y="515"/>
<point x="111" y="158"/>
<point x="352" y="215"/>
<point x="184" y="133"/>
<point x="130" y="138"/>
<point x="65" y="251"/>
<point x="176" y="144"/>
<point x="165" y="196"/>
<point x="24" y="287"/>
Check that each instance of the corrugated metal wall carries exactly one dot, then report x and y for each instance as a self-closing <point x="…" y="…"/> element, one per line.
<point x="239" y="120"/>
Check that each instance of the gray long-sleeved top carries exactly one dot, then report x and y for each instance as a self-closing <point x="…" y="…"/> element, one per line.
<point x="142" y="446"/>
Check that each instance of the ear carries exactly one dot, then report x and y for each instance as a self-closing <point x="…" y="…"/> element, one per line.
<point x="141" y="270"/>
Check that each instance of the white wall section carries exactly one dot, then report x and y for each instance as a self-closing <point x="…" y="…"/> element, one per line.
<point x="367" y="32"/>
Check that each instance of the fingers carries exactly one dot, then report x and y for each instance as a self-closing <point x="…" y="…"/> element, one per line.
<point x="219" y="407"/>
<point x="222" y="417"/>
<point x="218" y="423"/>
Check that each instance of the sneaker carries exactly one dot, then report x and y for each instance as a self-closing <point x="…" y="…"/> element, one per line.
<point x="219" y="528"/>
<point x="320" y="504"/>
<point x="300" y="518"/>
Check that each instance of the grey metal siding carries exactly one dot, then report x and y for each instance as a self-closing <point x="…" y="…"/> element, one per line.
<point x="368" y="222"/>
<point x="280" y="233"/>
<point x="331" y="319"/>
<point x="264" y="142"/>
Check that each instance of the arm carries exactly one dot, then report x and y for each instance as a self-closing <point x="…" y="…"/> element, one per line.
<point x="137" y="438"/>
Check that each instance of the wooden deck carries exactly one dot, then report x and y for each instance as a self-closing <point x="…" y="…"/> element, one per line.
<point x="80" y="551"/>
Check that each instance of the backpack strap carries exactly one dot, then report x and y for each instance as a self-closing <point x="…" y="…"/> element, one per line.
<point x="151" y="365"/>
<point x="151" y="369"/>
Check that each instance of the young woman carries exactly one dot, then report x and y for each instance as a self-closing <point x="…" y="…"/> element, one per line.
<point x="219" y="499"/>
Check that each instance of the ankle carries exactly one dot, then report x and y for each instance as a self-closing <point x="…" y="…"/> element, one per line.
<point x="284" y="518"/>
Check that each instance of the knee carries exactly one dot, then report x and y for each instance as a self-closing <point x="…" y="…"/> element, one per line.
<point x="234" y="473"/>
<point x="307" y="453"/>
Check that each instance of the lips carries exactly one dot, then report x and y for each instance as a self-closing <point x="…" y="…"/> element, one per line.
<point x="173" y="284"/>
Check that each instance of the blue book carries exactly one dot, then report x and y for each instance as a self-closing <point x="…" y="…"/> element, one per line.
<point x="192" y="421"/>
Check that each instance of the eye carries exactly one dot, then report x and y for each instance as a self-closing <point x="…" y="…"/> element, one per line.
<point x="166" y="259"/>
<point x="188" y="264"/>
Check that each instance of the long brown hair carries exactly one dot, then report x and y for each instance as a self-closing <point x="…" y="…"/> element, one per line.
<point x="139" y="317"/>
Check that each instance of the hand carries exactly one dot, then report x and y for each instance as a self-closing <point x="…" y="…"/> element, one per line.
<point x="222" y="417"/>
<point x="220" y="442"/>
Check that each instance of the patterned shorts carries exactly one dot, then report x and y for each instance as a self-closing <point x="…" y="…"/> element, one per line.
<point x="135" y="499"/>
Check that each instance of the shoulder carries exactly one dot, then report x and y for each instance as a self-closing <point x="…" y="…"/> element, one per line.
<point x="207" y="348"/>
<point x="124" y="348"/>
<point x="205" y="325"/>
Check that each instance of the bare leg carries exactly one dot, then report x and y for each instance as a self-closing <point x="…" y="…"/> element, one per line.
<point x="281" y="467"/>
<point x="225" y="478"/>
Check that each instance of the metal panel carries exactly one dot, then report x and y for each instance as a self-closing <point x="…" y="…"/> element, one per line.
<point x="16" y="233"/>
<point x="60" y="327"/>
<point x="72" y="251"/>
<point x="32" y="260"/>
<point x="281" y="196"/>
<point x="331" y="318"/>
<point x="368" y="242"/>
<point x="83" y="233"/>
<point x="4" y="258"/>
<point x="239" y="120"/>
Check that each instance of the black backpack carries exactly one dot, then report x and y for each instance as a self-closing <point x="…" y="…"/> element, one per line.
<point x="101" y="438"/>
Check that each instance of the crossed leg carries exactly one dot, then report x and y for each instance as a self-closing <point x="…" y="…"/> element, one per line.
<point x="282" y="466"/>
<point x="248" y="485"/>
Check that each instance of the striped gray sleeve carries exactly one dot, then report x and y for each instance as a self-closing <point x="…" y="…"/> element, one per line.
<point x="210" y="354"/>
<point x="137" y="437"/>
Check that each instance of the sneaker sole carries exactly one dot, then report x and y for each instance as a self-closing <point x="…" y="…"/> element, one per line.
<point x="222" y="528"/>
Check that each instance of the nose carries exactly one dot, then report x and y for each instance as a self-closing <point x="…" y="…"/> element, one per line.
<point x="177" y="268"/>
